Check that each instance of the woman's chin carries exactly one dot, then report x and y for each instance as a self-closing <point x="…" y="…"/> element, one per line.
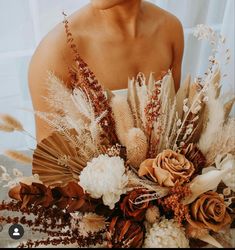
<point x="105" y="4"/>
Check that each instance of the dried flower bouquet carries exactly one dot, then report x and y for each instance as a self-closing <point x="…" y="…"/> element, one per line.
<point x="153" y="169"/>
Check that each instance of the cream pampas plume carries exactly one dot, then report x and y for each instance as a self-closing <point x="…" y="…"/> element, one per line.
<point x="11" y="123"/>
<point x="223" y="142"/>
<point x="216" y="116"/>
<point x="123" y="118"/>
<point x="18" y="156"/>
<point x="136" y="146"/>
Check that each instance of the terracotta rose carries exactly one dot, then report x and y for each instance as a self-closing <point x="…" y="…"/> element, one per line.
<point x="209" y="212"/>
<point x="168" y="168"/>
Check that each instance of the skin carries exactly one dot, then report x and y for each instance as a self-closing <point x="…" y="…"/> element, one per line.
<point x="117" y="39"/>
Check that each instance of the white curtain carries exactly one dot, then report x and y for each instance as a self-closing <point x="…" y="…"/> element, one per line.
<point x="23" y="24"/>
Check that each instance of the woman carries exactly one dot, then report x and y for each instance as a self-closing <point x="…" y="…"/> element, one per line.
<point x="117" y="39"/>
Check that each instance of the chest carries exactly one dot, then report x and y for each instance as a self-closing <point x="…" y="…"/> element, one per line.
<point x="113" y="62"/>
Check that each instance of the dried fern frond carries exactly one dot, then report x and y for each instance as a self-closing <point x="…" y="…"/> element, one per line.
<point x="18" y="156"/>
<point x="11" y="121"/>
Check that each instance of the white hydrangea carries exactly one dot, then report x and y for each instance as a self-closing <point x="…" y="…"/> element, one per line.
<point x="166" y="234"/>
<point x="105" y="177"/>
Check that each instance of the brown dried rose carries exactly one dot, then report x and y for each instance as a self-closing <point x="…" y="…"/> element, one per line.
<point x="124" y="233"/>
<point x="209" y="212"/>
<point x="130" y="208"/>
<point x="168" y="168"/>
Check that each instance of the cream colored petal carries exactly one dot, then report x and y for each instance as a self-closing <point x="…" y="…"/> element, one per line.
<point x="205" y="182"/>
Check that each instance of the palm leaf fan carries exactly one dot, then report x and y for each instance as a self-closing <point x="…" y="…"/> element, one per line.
<point x="56" y="161"/>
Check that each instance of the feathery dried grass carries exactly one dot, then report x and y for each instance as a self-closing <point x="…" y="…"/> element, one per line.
<point x="6" y="128"/>
<point x="216" y="118"/>
<point x="18" y="156"/>
<point x="223" y="142"/>
<point x="11" y="121"/>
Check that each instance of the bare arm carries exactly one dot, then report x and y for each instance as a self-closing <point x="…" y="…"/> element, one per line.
<point x="178" y="50"/>
<point x="46" y="58"/>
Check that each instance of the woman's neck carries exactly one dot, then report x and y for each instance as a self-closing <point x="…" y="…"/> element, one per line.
<point x="123" y="18"/>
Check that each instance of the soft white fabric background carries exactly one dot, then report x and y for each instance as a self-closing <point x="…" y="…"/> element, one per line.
<point x="23" y="23"/>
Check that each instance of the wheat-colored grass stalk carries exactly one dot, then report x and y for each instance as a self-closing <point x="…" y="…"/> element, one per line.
<point x="18" y="156"/>
<point x="6" y="128"/>
<point x="11" y="121"/>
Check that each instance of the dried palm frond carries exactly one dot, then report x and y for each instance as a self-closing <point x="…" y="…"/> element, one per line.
<point x="55" y="160"/>
<point x="18" y="156"/>
<point x="167" y="115"/>
<point x="133" y="102"/>
<point x="11" y="121"/>
<point x="124" y="120"/>
<point x="181" y="95"/>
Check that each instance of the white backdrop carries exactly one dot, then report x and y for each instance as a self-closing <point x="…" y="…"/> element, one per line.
<point x="24" y="22"/>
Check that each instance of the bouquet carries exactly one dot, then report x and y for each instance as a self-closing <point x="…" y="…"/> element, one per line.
<point x="151" y="169"/>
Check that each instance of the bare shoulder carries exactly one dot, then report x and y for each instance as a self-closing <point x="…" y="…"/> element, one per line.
<point x="165" y="20"/>
<point x="53" y="52"/>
